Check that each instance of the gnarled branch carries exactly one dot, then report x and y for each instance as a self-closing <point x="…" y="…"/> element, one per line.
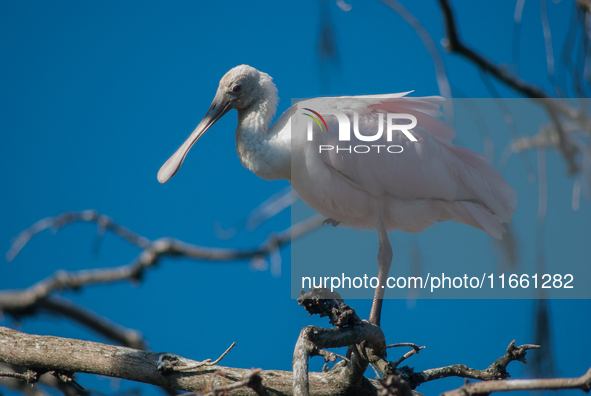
<point x="497" y="370"/>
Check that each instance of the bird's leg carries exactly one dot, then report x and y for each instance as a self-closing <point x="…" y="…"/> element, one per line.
<point x="384" y="262"/>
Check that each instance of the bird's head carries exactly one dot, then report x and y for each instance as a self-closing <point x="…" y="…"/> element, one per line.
<point x="239" y="89"/>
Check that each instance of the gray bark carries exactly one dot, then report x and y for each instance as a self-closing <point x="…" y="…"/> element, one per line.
<point x="48" y="353"/>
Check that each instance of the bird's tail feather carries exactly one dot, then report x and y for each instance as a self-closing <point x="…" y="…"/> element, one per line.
<point x="491" y="200"/>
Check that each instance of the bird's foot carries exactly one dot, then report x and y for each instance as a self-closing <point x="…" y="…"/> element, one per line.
<point x="332" y="222"/>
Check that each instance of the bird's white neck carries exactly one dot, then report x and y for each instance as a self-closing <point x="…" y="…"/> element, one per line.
<point x="263" y="151"/>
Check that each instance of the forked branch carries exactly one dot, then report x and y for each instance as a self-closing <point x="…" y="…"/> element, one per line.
<point x="153" y="251"/>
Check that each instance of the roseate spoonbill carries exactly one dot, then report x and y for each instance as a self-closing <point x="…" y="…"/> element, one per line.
<point x="431" y="180"/>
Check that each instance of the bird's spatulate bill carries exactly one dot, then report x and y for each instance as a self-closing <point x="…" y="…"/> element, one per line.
<point x="218" y="108"/>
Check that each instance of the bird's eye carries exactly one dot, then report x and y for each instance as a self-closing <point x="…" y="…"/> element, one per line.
<point x="237" y="89"/>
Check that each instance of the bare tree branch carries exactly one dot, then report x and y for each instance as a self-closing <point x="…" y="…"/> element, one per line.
<point x="408" y="354"/>
<point x="54" y="304"/>
<point x="406" y="344"/>
<point x="347" y="377"/>
<point x="28" y="376"/>
<point x="20" y="300"/>
<point x="484" y="388"/>
<point x="454" y="44"/>
<point x="497" y="370"/>
<point x="366" y="342"/>
<point x="87" y="216"/>
<point x="46" y="353"/>
<point x="331" y="356"/>
<point x="195" y="367"/>
<point x="97" y="323"/>
<point x="63" y="357"/>
<point x="21" y="385"/>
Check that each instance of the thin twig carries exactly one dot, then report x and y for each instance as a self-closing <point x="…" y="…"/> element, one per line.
<point x="223" y="354"/>
<point x="408" y="354"/>
<point x="331" y="356"/>
<point x="27" y="376"/>
<point x="406" y="344"/>
<point x="206" y="362"/>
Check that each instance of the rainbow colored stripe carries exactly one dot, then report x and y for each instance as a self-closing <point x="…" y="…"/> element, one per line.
<point x="316" y="119"/>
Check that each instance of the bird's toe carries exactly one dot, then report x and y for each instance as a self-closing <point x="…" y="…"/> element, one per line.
<point x="332" y="222"/>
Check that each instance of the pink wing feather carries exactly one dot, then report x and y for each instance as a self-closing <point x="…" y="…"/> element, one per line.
<point x="431" y="180"/>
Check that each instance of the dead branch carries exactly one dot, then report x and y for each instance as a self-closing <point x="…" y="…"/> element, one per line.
<point x="187" y="369"/>
<point x="366" y="343"/>
<point x="484" y="388"/>
<point x="367" y="346"/>
<point x="497" y="370"/>
<point x="94" y="322"/>
<point x="29" y="376"/>
<point x="82" y="315"/>
<point x="21" y="385"/>
<point x="58" y="381"/>
<point x="406" y="344"/>
<point x="343" y="377"/>
<point x="454" y="44"/>
<point x="62" y="357"/>
<point x="20" y="300"/>
<point x="48" y="353"/>
<point x="323" y="302"/>
<point x="331" y="356"/>
<point x="60" y="221"/>
<point x="408" y="354"/>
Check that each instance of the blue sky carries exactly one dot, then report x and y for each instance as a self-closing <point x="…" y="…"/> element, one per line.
<point x="97" y="95"/>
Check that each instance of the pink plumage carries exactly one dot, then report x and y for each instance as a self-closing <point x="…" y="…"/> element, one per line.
<point x="431" y="180"/>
